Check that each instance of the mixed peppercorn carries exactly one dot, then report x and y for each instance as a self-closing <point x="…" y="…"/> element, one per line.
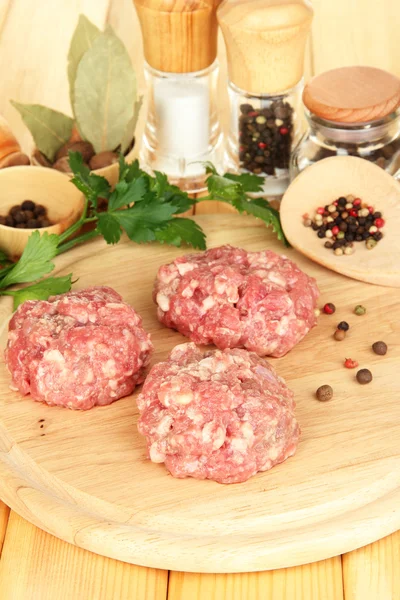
<point x="363" y="376"/>
<point x="27" y="215"/>
<point x="265" y="137"/>
<point x="345" y="221"/>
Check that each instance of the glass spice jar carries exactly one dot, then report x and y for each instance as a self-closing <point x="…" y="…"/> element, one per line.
<point x="265" y="47"/>
<point x="342" y="123"/>
<point x="263" y="130"/>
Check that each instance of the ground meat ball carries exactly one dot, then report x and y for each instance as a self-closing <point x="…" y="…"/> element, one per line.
<point x="237" y="299"/>
<point x="78" y="349"/>
<point x="221" y="415"/>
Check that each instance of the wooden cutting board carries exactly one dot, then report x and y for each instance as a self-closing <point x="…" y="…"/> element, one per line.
<point x="84" y="477"/>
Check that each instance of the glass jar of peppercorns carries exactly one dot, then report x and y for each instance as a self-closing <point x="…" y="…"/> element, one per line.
<point x="265" y="47"/>
<point x="352" y="111"/>
<point x="263" y="130"/>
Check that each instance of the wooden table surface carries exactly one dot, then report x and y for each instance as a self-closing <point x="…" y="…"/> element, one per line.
<point x="34" y="38"/>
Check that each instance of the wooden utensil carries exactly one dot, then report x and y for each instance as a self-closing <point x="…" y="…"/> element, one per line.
<point x="265" y="42"/>
<point x="64" y="202"/>
<point x="324" y="182"/>
<point x="85" y="477"/>
<point x="353" y="94"/>
<point x="179" y="36"/>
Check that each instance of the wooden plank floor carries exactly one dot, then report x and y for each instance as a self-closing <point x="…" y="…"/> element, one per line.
<point x="34" y="38"/>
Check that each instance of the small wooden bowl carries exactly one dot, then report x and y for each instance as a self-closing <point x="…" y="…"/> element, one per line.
<point x="64" y="202"/>
<point x="111" y="173"/>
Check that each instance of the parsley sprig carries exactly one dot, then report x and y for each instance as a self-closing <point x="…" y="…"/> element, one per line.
<point x="145" y="207"/>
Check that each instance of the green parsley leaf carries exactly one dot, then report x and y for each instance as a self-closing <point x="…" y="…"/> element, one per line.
<point x="232" y="192"/>
<point x="127" y="193"/>
<point x="91" y="185"/>
<point x="223" y="188"/>
<point x="41" y="290"/>
<point x="250" y="183"/>
<point x="4" y="260"/>
<point x="141" y="220"/>
<point x="180" y="230"/>
<point x="35" y="260"/>
<point x="261" y="209"/>
<point x="130" y="172"/>
<point x="109" y="227"/>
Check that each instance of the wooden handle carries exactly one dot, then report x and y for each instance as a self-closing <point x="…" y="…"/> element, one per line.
<point x="179" y="36"/>
<point x="265" y="41"/>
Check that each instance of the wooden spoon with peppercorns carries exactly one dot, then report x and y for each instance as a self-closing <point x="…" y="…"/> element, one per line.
<point x="323" y="184"/>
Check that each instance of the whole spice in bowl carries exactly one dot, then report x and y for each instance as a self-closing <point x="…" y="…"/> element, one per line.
<point x="54" y="205"/>
<point x="344" y="222"/>
<point x="99" y="130"/>
<point x="27" y="215"/>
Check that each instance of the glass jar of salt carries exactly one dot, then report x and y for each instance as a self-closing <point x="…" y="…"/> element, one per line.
<point x="182" y="129"/>
<point x="265" y="41"/>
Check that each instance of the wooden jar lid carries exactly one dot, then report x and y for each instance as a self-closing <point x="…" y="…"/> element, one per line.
<point x="179" y="36"/>
<point x="353" y="94"/>
<point x="265" y="41"/>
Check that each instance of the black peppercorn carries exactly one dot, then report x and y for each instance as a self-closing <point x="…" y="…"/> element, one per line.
<point x="343" y="325"/>
<point x="27" y="205"/>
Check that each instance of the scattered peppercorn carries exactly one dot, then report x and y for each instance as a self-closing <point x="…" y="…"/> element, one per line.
<point x="339" y="335"/>
<point x="329" y="308"/>
<point x="364" y="376"/>
<point x="349" y="363"/>
<point x="27" y="215"/>
<point x="324" y="393"/>
<point x="343" y="325"/>
<point x="360" y="310"/>
<point x="379" y="348"/>
<point x="346" y="222"/>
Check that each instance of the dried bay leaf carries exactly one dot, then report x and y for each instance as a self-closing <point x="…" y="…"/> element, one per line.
<point x="50" y="129"/>
<point x="84" y="35"/>
<point x="105" y="92"/>
<point x="130" y="128"/>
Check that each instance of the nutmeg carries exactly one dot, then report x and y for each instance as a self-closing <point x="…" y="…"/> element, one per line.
<point x="40" y="158"/>
<point x="103" y="159"/>
<point x="85" y="148"/>
<point x="15" y="160"/>
<point x="62" y="164"/>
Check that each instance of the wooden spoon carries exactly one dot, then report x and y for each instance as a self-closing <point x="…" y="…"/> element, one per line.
<point x="324" y="182"/>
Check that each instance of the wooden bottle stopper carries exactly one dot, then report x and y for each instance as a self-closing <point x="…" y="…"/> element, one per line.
<point x="265" y="41"/>
<point x="179" y="36"/>
<point x="353" y="94"/>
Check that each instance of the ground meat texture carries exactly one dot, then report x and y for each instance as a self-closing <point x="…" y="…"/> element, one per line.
<point x="78" y="350"/>
<point x="221" y="415"/>
<point x="237" y="299"/>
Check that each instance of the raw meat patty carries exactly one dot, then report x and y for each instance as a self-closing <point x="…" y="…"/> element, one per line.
<point x="221" y="415"/>
<point x="78" y="349"/>
<point x="237" y="299"/>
